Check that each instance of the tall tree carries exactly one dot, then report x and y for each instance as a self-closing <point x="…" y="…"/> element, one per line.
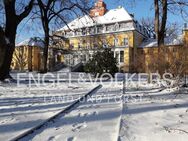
<point x="14" y="17"/>
<point x="162" y="8"/>
<point x="50" y="11"/>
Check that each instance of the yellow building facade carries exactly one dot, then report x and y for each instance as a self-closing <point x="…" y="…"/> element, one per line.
<point x="28" y="55"/>
<point x="133" y="45"/>
<point x="115" y="29"/>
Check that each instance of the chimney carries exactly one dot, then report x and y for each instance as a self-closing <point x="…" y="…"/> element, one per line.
<point x="99" y="9"/>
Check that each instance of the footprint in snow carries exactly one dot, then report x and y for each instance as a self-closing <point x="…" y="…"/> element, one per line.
<point x="71" y="139"/>
<point x="77" y="127"/>
<point x="51" y="138"/>
<point x="87" y="114"/>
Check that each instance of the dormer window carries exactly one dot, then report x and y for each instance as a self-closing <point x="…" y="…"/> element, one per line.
<point x="109" y="28"/>
<point x="95" y="30"/>
<point x="92" y="30"/>
<point x="122" y="25"/>
<point x="116" y="27"/>
<point x="100" y="29"/>
<point x="87" y="31"/>
<point x="83" y="32"/>
<point x="104" y="28"/>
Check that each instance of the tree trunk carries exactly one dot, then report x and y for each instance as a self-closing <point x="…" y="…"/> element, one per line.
<point x="45" y="54"/>
<point x="47" y="40"/>
<point x="163" y="22"/>
<point x="156" y="3"/>
<point x="10" y="35"/>
<point x="2" y="46"/>
<point x="12" y="21"/>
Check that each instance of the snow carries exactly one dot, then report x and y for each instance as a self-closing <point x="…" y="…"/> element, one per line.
<point x="145" y="112"/>
<point x="93" y="121"/>
<point x="36" y="42"/>
<point x="112" y="16"/>
<point x="168" y="41"/>
<point x="161" y="115"/>
<point x="22" y="108"/>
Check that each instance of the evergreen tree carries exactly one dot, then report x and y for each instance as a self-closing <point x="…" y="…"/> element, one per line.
<point x="103" y="61"/>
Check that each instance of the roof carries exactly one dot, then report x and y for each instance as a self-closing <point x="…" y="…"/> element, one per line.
<point x="168" y="41"/>
<point x="37" y="42"/>
<point x="112" y="16"/>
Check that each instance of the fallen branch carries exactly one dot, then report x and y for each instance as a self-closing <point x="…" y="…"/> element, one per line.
<point x="174" y="129"/>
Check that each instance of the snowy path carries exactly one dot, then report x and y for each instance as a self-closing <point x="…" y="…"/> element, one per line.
<point x="22" y="108"/>
<point x="159" y="116"/>
<point x="94" y="120"/>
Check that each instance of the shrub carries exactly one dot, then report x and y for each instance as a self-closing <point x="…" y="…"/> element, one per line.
<point x="103" y="61"/>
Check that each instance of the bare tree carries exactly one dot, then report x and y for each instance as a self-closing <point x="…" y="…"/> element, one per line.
<point x="172" y="28"/>
<point x="51" y="11"/>
<point x="15" y="12"/>
<point x="162" y="8"/>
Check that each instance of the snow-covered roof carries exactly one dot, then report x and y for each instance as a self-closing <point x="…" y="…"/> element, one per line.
<point x="37" y="42"/>
<point x="112" y="16"/>
<point x="168" y="41"/>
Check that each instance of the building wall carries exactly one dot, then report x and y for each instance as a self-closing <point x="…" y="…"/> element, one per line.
<point x="91" y="41"/>
<point x="98" y="41"/>
<point x="26" y="58"/>
<point x="169" y="58"/>
<point x="185" y="36"/>
<point x="135" y="59"/>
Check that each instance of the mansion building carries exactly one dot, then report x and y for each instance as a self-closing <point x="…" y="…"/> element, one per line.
<point x="134" y="46"/>
<point x="115" y="29"/>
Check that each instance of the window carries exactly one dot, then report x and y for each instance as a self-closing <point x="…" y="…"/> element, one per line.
<point x="95" y="30"/>
<point x="100" y="29"/>
<point x="79" y="46"/>
<point x="121" y="56"/>
<point x="83" y="58"/>
<point x="126" y="42"/>
<point x="117" y="56"/>
<point x="88" y="45"/>
<point x="92" y="30"/>
<point x="109" y="27"/>
<point x="83" y="31"/>
<point x="115" y="42"/>
<point x="72" y="45"/>
<point x="122" y="25"/>
<point x="116" y="27"/>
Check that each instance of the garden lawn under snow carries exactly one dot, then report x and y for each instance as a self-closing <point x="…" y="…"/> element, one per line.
<point x="161" y="115"/>
<point x="98" y="119"/>
<point x="24" y="107"/>
<point x="143" y="113"/>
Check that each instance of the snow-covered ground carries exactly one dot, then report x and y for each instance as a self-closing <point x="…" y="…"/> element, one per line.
<point x="24" y="107"/>
<point x="161" y="115"/>
<point x="145" y="112"/>
<point x="98" y="119"/>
